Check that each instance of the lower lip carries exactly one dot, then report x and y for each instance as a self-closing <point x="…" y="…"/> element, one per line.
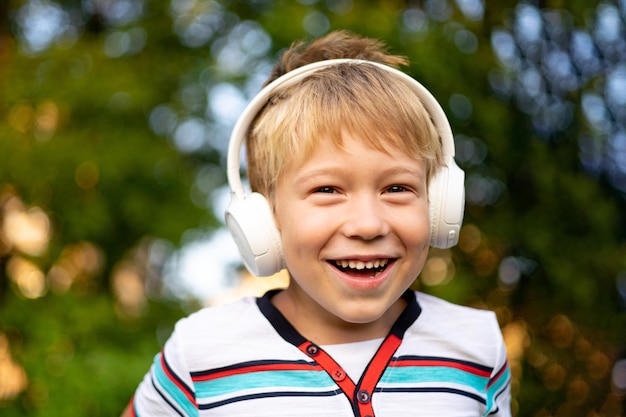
<point x="364" y="283"/>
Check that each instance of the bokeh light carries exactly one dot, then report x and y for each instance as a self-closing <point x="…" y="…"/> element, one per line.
<point x="545" y="58"/>
<point x="25" y="229"/>
<point x="13" y="379"/>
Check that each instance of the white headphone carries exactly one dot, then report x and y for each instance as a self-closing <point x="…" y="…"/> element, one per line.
<point x="249" y="217"/>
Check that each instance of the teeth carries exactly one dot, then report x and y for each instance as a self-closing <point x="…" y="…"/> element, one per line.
<point x="360" y="265"/>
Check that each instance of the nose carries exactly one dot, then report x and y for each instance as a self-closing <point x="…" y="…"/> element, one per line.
<point x="366" y="219"/>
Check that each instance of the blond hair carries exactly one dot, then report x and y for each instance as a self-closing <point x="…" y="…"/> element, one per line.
<point x="361" y="100"/>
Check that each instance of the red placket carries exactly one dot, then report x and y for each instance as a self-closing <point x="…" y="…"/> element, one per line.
<point x="360" y="394"/>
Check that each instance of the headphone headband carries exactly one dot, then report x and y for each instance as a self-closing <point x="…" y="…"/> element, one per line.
<point x="240" y="131"/>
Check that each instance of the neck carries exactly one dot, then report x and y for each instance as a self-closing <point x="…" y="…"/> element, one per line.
<point x="329" y="329"/>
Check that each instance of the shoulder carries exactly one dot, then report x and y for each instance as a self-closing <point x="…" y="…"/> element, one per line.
<point x="434" y="307"/>
<point x="447" y="316"/>
<point x="220" y="336"/>
<point x="211" y="325"/>
<point x="447" y="329"/>
<point x="211" y="318"/>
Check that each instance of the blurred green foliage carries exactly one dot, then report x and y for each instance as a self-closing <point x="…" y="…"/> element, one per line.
<point x="110" y="119"/>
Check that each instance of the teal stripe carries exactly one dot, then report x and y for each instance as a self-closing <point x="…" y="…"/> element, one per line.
<point x="172" y="389"/>
<point x="433" y="374"/>
<point x="305" y="380"/>
<point x="495" y="388"/>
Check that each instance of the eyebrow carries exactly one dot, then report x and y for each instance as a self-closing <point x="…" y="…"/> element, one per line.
<point x="416" y="171"/>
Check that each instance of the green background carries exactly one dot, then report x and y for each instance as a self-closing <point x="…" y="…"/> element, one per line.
<point x="113" y="125"/>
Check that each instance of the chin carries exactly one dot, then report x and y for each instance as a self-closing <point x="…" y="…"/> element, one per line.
<point x="363" y="314"/>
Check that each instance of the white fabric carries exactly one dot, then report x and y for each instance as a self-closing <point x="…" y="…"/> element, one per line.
<point x="234" y="361"/>
<point x="353" y="357"/>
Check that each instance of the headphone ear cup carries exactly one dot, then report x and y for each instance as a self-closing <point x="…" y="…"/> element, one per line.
<point x="251" y="223"/>
<point x="446" y="195"/>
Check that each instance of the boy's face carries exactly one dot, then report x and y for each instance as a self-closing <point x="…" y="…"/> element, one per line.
<point x="354" y="225"/>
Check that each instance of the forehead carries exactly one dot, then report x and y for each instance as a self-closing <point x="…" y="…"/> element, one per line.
<point x="352" y="146"/>
<point x="383" y="114"/>
<point x="371" y="136"/>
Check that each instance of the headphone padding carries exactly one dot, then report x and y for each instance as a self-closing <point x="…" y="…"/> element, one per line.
<point x="251" y="223"/>
<point x="446" y="195"/>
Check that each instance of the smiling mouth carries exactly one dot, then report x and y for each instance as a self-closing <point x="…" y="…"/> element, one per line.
<point x="365" y="268"/>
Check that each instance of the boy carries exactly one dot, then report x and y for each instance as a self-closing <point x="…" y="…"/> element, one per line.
<point x="351" y="164"/>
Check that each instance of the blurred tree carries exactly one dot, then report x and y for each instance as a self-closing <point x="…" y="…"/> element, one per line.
<point x="114" y="121"/>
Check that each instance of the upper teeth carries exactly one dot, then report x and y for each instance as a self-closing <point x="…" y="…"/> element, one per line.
<point x="362" y="265"/>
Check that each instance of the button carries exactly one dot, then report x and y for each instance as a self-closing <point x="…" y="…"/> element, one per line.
<point x="451" y="237"/>
<point x="363" y="397"/>
<point x="338" y="375"/>
<point x="312" y="350"/>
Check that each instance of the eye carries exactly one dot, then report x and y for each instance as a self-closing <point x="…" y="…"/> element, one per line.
<point x="325" y="189"/>
<point x="397" y="189"/>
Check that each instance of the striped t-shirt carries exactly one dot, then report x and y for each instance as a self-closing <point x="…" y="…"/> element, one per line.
<point x="245" y="359"/>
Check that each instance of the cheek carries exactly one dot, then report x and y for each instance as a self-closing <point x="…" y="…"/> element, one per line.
<point x="414" y="224"/>
<point x="303" y="234"/>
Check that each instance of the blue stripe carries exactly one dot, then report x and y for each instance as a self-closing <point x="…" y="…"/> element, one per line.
<point x="172" y="389"/>
<point x="305" y="380"/>
<point x="433" y="374"/>
<point x="164" y="397"/>
<point x="269" y="395"/>
<point x="497" y="388"/>
<point x="135" y="412"/>
<point x="178" y="380"/>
